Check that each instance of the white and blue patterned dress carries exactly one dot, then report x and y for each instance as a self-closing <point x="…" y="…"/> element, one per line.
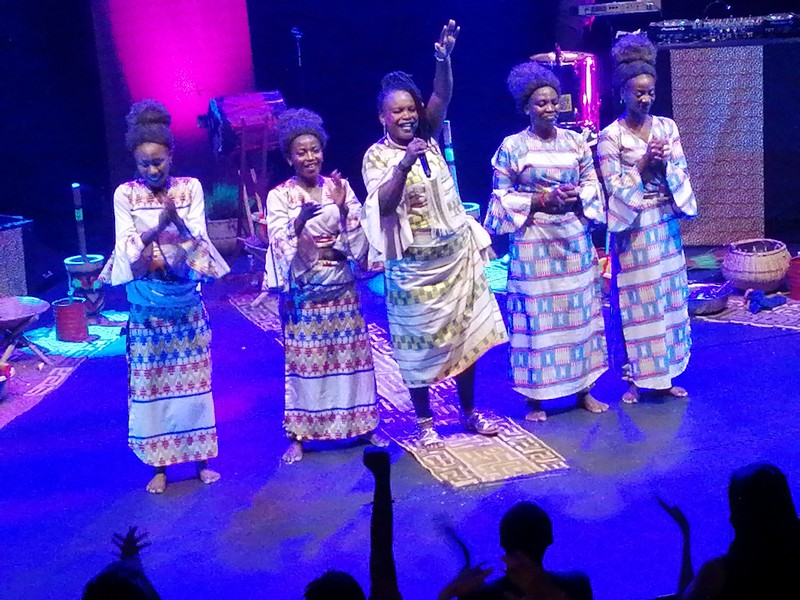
<point x="554" y="292"/>
<point x="650" y="292"/>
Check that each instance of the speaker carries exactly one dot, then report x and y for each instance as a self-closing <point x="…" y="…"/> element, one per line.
<point x="739" y="118"/>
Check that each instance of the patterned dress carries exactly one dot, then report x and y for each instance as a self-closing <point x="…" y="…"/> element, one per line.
<point x="170" y="407"/>
<point x="650" y="291"/>
<point x="554" y="292"/>
<point x="442" y="315"/>
<point x="330" y="389"/>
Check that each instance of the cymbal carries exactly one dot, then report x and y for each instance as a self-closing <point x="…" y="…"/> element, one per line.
<point x="568" y="57"/>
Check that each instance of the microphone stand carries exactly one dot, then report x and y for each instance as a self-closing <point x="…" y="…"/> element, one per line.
<point x="301" y="82"/>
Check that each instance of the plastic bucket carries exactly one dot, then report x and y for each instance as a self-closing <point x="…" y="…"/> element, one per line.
<point x="794" y="278"/>
<point x="71" y="325"/>
<point x="473" y="210"/>
<point x="84" y="280"/>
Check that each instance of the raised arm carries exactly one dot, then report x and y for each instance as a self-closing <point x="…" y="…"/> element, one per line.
<point x="443" y="78"/>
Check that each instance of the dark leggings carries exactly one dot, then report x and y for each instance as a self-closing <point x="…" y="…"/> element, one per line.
<point x="465" y="382"/>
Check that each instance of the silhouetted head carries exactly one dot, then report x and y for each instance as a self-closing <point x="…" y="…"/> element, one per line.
<point x="150" y="140"/>
<point x="334" y="585"/>
<point x="760" y="501"/>
<point x="526" y="528"/>
<point x="119" y="581"/>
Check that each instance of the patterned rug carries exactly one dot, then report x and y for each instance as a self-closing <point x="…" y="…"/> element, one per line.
<point x="34" y="379"/>
<point x="786" y="316"/>
<point x="466" y="459"/>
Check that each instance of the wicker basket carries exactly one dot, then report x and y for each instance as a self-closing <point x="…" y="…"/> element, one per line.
<point x="759" y="264"/>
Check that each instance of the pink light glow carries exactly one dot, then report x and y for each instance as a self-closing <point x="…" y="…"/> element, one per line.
<point x="182" y="53"/>
<point x="590" y="99"/>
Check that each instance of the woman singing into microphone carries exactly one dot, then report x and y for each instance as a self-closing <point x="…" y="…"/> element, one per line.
<point x="442" y="315"/>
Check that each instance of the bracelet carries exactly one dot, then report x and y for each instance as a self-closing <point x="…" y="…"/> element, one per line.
<point x="403" y="170"/>
<point x="439" y="57"/>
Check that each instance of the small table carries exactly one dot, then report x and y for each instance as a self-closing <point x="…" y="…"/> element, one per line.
<point x="17" y="313"/>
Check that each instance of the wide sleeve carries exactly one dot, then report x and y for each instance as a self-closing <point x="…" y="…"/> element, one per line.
<point x="591" y="194"/>
<point x="202" y="257"/>
<point x="623" y="183"/>
<point x="352" y="240"/>
<point x="678" y="174"/>
<point x="291" y="254"/>
<point x="388" y="235"/>
<point x="508" y="210"/>
<point x="128" y="245"/>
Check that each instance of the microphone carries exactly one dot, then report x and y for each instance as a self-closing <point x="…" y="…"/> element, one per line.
<point x="425" y="167"/>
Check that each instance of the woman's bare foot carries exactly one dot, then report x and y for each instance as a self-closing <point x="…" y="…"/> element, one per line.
<point x="376" y="438"/>
<point x="592" y="404"/>
<point x="536" y="416"/>
<point x="632" y="395"/>
<point x="675" y="391"/>
<point x="158" y="483"/>
<point x="293" y="454"/>
<point x="206" y="475"/>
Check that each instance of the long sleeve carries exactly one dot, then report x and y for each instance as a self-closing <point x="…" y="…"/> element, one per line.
<point x="201" y="256"/>
<point x="678" y="173"/>
<point x="128" y="245"/>
<point x="292" y="254"/>
<point x="388" y="235"/>
<point x="591" y="195"/>
<point x="508" y="209"/>
<point x="623" y="183"/>
<point x="352" y="240"/>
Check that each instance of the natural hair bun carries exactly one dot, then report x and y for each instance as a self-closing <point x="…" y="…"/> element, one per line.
<point x="633" y="55"/>
<point x="634" y="48"/>
<point x="148" y="112"/>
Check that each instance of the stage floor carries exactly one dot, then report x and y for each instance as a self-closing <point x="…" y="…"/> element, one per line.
<point x="69" y="480"/>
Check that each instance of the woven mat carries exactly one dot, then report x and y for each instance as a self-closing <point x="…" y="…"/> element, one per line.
<point x="466" y="459"/>
<point x="786" y="316"/>
<point x="34" y="379"/>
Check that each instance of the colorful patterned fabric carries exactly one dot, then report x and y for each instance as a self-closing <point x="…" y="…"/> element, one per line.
<point x="170" y="407"/>
<point x="330" y="380"/>
<point x="649" y="293"/>
<point x="554" y="298"/>
<point x="442" y="315"/>
<point x="137" y="210"/>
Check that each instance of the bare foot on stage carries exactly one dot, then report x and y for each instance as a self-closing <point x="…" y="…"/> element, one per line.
<point x="592" y="404"/>
<point x="675" y="391"/>
<point x="293" y="454"/>
<point x="631" y="396"/>
<point x="158" y="483"/>
<point x="376" y="438"/>
<point x="205" y="474"/>
<point x="536" y="416"/>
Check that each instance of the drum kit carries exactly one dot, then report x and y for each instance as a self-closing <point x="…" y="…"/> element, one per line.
<point x="579" y="105"/>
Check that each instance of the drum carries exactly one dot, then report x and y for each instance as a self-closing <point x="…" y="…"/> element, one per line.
<point x="580" y="92"/>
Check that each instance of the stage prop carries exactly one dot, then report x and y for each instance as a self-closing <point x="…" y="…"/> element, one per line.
<point x="83" y="269"/>
<point x="759" y="264"/>
<point x="732" y="89"/>
<point x="242" y="133"/>
<point x="580" y="92"/>
<point x="12" y="256"/>
<point x="17" y="313"/>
